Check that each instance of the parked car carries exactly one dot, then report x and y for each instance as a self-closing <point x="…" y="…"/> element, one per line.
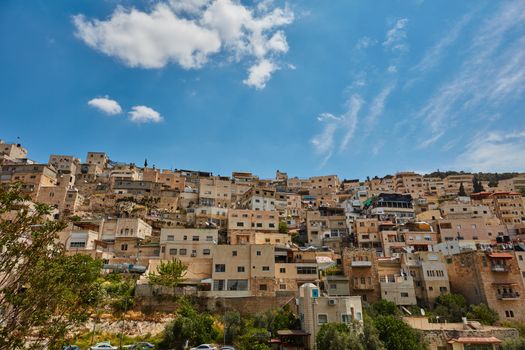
<point x="71" y="347"/>
<point x="103" y="346"/>
<point x="227" y="347"/>
<point x="205" y="347"/>
<point x="140" y="346"/>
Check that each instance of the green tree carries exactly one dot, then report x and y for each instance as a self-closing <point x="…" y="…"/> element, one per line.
<point x="189" y="325"/>
<point x="276" y="319"/>
<point x="232" y="323"/>
<point x="254" y="339"/>
<point x="338" y="336"/>
<point x="397" y="335"/>
<point x="461" y="191"/>
<point x="383" y="308"/>
<point x="452" y="307"/>
<point x="483" y="314"/>
<point x="283" y="227"/>
<point x="514" y="344"/>
<point x="370" y="336"/>
<point x="477" y="186"/>
<point x="168" y="274"/>
<point x="43" y="292"/>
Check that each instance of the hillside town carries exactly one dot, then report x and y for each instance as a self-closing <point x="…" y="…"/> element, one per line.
<point x="325" y="246"/>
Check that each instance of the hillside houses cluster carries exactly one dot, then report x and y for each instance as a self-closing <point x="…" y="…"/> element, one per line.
<point x="407" y="238"/>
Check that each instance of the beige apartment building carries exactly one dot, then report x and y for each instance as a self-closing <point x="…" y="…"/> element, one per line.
<point x="430" y="275"/>
<point x="409" y="182"/>
<point x="493" y="278"/>
<point x="516" y="184"/>
<point x="508" y="207"/>
<point x="316" y="309"/>
<point x="454" y="182"/>
<point x="395" y="281"/>
<point x="215" y="192"/>
<point x="11" y="152"/>
<point x="360" y="267"/>
<point x="242" y="223"/>
<point x="475" y="228"/>
<point x="64" y="164"/>
<point x="325" y="224"/>
<point x="324" y="185"/>
<point x="167" y="178"/>
<point x="367" y="235"/>
<point x="435" y="186"/>
<point x="32" y="176"/>
<point x="100" y="159"/>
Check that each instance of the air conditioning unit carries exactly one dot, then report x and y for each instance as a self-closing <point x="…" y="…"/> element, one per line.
<point x="332" y="301"/>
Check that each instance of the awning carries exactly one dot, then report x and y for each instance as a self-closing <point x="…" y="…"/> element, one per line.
<point x="501" y="255"/>
<point x="207" y="281"/>
<point x="475" y="340"/>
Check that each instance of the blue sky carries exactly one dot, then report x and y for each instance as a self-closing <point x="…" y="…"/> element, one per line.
<point x="357" y="88"/>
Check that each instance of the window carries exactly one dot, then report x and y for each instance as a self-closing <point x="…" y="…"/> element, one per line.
<point x="77" y="245"/>
<point x="306" y="270"/>
<point x="234" y="253"/>
<point x="183" y="251"/>
<point x="240" y="268"/>
<point x="124" y="246"/>
<point x="185" y="238"/>
<point x="443" y="289"/>
<point x="220" y="268"/>
<point x="170" y="238"/>
<point x="520" y="257"/>
<point x="283" y="270"/>
<point x="259" y="224"/>
<point x="322" y="318"/>
<point x="509" y="313"/>
<point x="263" y="287"/>
<point x="195" y="238"/>
<point x="205" y="252"/>
<point x="266" y="268"/>
<point x="346" y="318"/>
<point x="404" y="295"/>
<point x="282" y="286"/>
<point x="209" y="238"/>
<point x="173" y="251"/>
<point x="240" y="224"/>
<point x="237" y="285"/>
<point x="271" y="225"/>
<point x="258" y="253"/>
<point x="218" y="285"/>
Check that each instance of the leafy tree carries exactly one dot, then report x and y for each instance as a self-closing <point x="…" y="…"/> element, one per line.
<point x="276" y="319"/>
<point x="397" y="335"/>
<point x="451" y="306"/>
<point x="338" y="336"/>
<point x="483" y="313"/>
<point x="461" y="191"/>
<point x="476" y="183"/>
<point x="370" y="336"/>
<point x="383" y="308"/>
<point x="232" y="323"/>
<point x="189" y="325"/>
<point x="168" y="274"/>
<point x="283" y="227"/>
<point x="43" y="292"/>
<point x="514" y="344"/>
<point x="254" y="339"/>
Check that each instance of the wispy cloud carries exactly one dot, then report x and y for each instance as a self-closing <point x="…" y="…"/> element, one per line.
<point x="491" y="74"/>
<point x="260" y="73"/>
<point x="396" y="36"/>
<point x="365" y="42"/>
<point x="337" y="131"/>
<point x="494" y="151"/>
<point x="435" y="53"/>
<point x="189" y="33"/>
<point x="377" y="106"/>
<point x="106" y="105"/>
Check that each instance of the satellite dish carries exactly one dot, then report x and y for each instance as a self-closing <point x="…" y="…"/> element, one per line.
<point x="422" y="312"/>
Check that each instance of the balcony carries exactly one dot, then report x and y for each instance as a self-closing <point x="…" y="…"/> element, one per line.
<point x="361" y="264"/>
<point x="509" y="296"/>
<point x="362" y="286"/>
<point x="499" y="268"/>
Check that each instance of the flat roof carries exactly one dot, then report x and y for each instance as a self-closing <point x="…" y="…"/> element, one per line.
<point x="475" y="340"/>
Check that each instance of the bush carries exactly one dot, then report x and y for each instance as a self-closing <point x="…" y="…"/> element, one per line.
<point x="397" y="335"/>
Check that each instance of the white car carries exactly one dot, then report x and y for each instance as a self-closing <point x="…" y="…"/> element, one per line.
<point x="205" y="347"/>
<point x="103" y="346"/>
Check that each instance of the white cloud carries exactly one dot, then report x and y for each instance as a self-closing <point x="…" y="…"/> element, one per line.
<point x="377" y="107"/>
<point x="392" y="69"/>
<point x="434" y="54"/>
<point x="260" y="73"/>
<point x="492" y="74"/>
<point x="143" y="114"/>
<point x="337" y="130"/>
<point x="396" y="36"/>
<point x="495" y="151"/>
<point x="189" y="33"/>
<point x="365" y="42"/>
<point x="106" y="105"/>
<point x="349" y="119"/>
